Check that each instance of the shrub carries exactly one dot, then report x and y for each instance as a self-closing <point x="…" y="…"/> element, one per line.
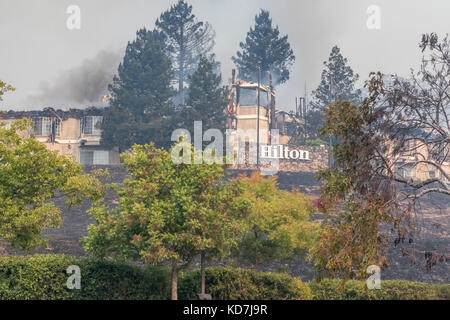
<point x="107" y="280"/>
<point x="404" y="290"/>
<point x="43" y="277"/>
<point x="34" y="277"/>
<point x="243" y="284"/>
<point x="331" y="289"/>
<point x="442" y="291"/>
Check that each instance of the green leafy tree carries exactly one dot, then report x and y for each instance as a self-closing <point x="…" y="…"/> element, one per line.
<point x="264" y="48"/>
<point x="4" y="87"/>
<point x="141" y="108"/>
<point x="278" y="225"/>
<point x="30" y="177"/>
<point x="168" y="212"/>
<point x="207" y="99"/>
<point x="367" y="199"/>
<point x="186" y="38"/>
<point x="221" y="211"/>
<point x="352" y="238"/>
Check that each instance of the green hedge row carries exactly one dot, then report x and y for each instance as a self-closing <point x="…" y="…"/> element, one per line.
<point x="244" y="284"/>
<point x="44" y="277"/>
<point x="333" y="289"/>
<point x="442" y="291"/>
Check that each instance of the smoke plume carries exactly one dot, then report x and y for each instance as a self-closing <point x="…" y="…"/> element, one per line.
<point x="83" y="85"/>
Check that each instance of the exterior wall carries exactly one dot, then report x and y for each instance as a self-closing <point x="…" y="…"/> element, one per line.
<point x="67" y="143"/>
<point x="318" y="159"/>
<point x="65" y="149"/>
<point x="247" y="119"/>
<point x="114" y="157"/>
<point x="99" y="157"/>
<point x="284" y="139"/>
<point x="423" y="172"/>
<point x="247" y="123"/>
<point x="418" y="171"/>
<point x="70" y="130"/>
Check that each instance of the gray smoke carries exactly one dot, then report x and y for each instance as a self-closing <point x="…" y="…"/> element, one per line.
<point x="83" y="85"/>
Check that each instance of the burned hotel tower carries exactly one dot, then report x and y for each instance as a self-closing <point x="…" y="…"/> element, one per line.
<point x="257" y="130"/>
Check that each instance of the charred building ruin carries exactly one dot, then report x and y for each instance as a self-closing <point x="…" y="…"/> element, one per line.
<point x="258" y="130"/>
<point x="74" y="133"/>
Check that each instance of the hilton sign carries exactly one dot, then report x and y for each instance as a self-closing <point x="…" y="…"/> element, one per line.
<point x="282" y="152"/>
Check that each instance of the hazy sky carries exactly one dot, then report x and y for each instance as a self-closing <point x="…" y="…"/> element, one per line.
<point x="53" y="66"/>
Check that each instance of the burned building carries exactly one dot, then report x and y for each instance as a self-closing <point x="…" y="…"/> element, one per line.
<point x="260" y="134"/>
<point x="419" y="161"/>
<point x="75" y="133"/>
<point x="286" y="124"/>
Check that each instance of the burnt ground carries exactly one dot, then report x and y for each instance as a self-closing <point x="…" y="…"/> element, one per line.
<point x="432" y="235"/>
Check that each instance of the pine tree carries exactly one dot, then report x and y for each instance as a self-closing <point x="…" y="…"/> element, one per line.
<point x="186" y="38"/>
<point x="337" y="82"/>
<point x="264" y="48"/>
<point x="141" y="105"/>
<point x="207" y="99"/>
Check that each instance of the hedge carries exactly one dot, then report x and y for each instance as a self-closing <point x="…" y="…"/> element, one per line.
<point x="442" y="291"/>
<point x="244" y="284"/>
<point x="43" y="277"/>
<point x="331" y="289"/>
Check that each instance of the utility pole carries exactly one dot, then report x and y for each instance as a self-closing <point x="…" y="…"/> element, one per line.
<point x="306" y="103"/>
<point x="304" y="114"/>
<point x="257" y="119"/>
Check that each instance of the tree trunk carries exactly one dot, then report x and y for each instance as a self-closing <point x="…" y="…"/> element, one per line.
<point x="181" y="62"/>
<point x="181" y="78"/>
<point x="175" y="280"/>
<point x="437" y="115"/>
<point x="203" y="272"/>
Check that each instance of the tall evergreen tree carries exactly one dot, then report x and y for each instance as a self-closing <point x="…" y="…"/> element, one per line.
<point x="141" y="95"/>
<point x="207" y="99"/>
<point x="264" y="48"/>
<point x="337" y="82"/>
<point x="187" y="39"/>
